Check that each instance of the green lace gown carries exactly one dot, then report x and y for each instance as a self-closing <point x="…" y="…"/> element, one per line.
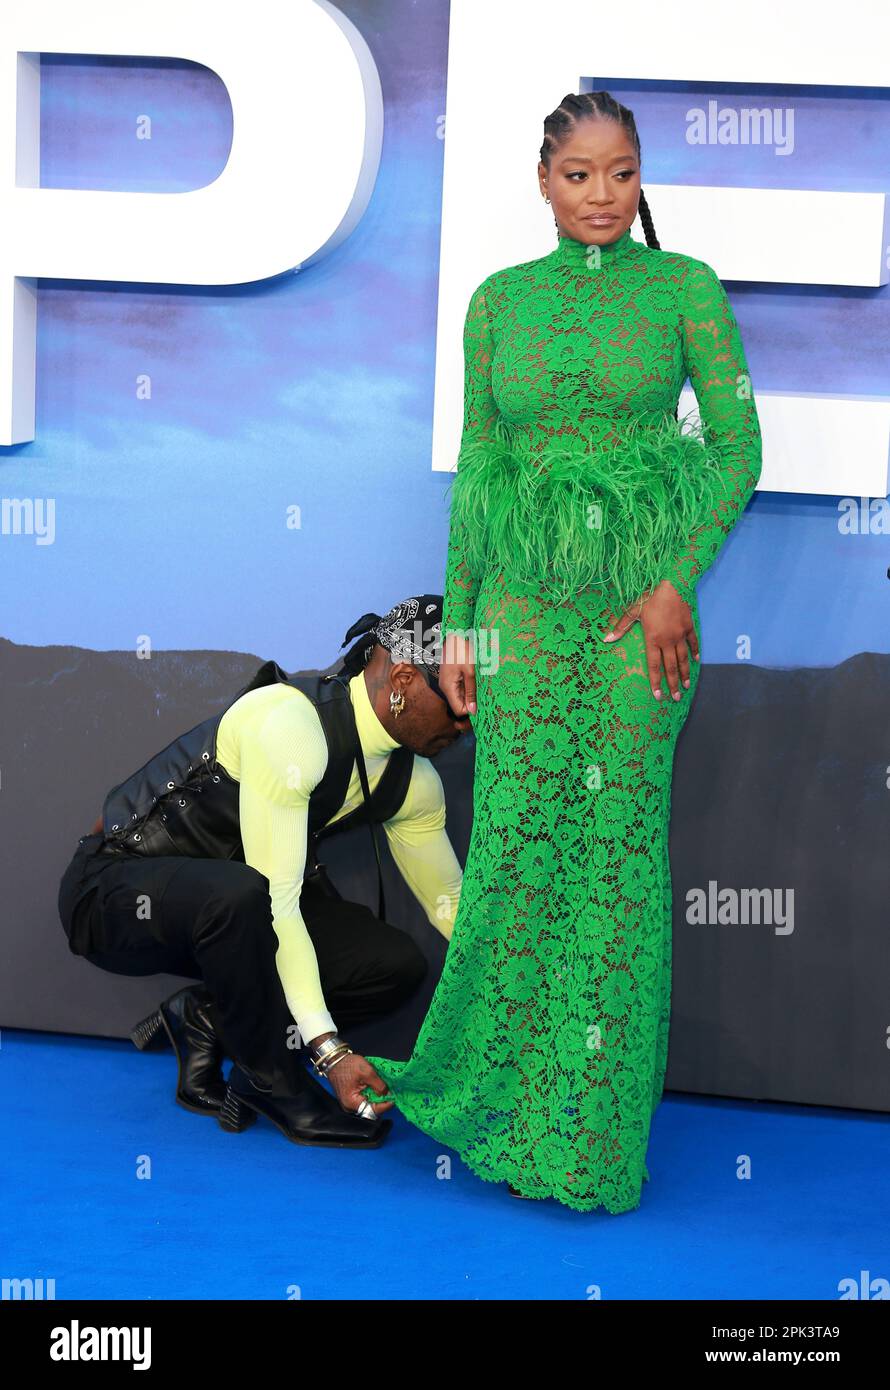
<point x="542" y="1057"/>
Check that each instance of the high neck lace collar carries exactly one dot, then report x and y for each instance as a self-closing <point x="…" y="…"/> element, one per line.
<point x="581" y="255"/>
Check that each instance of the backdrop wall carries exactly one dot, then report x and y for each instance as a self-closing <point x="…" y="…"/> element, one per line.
<point x="178" y="429"/>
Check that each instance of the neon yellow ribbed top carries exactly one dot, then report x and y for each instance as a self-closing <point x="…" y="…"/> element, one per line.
<point x="272" y="743"/>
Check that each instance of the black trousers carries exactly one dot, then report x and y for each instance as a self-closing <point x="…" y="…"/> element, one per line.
<point x="211" y="920"/>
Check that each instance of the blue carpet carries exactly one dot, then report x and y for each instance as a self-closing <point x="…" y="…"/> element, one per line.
<point x="252" y="1216"/>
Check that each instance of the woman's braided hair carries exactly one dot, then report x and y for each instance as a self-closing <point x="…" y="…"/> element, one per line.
<point x="581" y="106"/>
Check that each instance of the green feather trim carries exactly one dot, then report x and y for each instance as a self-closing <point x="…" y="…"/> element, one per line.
<point x="578" y="514"/>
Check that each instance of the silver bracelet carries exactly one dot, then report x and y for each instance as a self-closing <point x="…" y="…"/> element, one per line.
<point x="329" y="1066"/>
<point x="318" y="1055"/>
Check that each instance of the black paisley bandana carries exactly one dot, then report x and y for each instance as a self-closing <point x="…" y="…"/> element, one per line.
<point x="411" y="631"/>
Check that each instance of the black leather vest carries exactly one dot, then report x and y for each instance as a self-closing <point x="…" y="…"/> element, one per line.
<point x="184" y="802"/>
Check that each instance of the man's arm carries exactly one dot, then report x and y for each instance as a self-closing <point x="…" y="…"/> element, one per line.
<point x="422" y="850"/>
<point x="282" y="759"/>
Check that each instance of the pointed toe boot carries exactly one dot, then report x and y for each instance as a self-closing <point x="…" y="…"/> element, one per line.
<point x="305" y="1113"/>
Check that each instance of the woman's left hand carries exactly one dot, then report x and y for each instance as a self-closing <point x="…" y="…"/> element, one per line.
<point x="669" y="634"/>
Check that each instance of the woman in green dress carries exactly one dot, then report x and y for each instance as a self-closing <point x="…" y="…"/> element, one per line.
<point x="583" y="514"/>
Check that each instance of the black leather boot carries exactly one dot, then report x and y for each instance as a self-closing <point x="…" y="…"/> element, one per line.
<point x="186" y="1020"/>
<point x="306" y="1113"/>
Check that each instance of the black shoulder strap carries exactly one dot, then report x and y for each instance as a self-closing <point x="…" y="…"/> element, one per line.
<point x="366" y="794"/>
<point x="334" y="709"/>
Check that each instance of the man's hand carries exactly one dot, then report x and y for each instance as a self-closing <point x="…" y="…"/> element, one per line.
<point x="350" y="1077"/>
<point x="457" y="674"/>
<point x="669" y="634"/>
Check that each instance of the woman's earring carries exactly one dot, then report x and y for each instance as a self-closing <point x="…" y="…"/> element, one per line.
<point x="396" y="703"/>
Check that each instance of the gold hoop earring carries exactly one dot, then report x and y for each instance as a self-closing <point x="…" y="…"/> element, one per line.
<point x="396" y="703"/>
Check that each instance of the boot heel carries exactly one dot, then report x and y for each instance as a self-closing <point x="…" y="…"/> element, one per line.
<point x="235" y="1116"/>
<point x="150" y="1033"/>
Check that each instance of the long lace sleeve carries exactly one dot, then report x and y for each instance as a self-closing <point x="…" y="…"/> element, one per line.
<point x="480" y="411"/>
<point x="718" y="371"/>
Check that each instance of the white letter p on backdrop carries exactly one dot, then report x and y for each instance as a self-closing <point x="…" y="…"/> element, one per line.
<point x="260" y="217"/>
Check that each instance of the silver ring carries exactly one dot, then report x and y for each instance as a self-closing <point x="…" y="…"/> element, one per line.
<point x="366" y="1110"/>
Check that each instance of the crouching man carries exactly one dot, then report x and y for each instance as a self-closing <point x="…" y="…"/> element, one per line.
<point x="205" y="864"/>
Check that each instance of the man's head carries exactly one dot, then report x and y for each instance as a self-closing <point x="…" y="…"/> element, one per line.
<point x="400" y="655"/>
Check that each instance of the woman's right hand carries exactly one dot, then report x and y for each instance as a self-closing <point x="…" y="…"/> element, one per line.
<point x="457" y="674"/>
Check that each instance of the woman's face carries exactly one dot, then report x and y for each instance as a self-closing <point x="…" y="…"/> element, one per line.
<point x="593" y="182"/>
